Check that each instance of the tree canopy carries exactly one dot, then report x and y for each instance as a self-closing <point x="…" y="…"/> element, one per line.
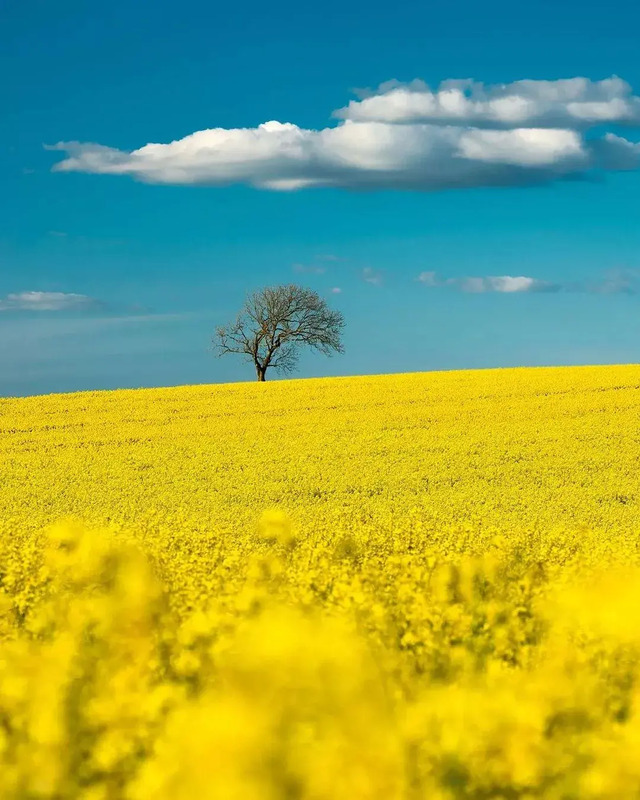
<point x="275" y="323"/>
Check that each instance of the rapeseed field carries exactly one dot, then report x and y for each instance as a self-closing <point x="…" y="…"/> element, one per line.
<point x="375" y="588"/>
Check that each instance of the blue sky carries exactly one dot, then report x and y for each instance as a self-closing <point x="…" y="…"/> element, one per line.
<point x="116" y="275"/>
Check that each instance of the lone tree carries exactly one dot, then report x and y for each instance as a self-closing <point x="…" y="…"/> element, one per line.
<point x="275" y="323"/>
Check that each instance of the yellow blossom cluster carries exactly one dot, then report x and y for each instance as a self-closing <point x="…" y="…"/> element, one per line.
<point x="396" y="587"/>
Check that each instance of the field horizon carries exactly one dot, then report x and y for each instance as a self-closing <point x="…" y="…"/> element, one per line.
<point x="325" y="378"/>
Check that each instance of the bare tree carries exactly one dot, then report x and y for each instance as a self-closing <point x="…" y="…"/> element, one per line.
<point x="275" y="323"/>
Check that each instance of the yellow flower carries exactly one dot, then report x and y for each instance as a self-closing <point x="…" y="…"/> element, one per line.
<point x="447" y="608"/>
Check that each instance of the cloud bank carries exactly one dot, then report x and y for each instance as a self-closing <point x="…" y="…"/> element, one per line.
<point x="47" y="301"/>
<point x="73" y="302"/>
<point x="402" y="136"/>
<point x="572" y="103"/>
<point x="618" y="281"/>
<point x="504" y="284"/>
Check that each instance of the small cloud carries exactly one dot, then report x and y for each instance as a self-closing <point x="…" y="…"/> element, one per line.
<point x="47" y="301"/>
<point x="616" y="281"/>
<point x="373" y="276"/>
<point x="336" y="290"/>
<point x="506" y="284"/>
<point x="428" y="278"/>
<point x="502" y="284"/>
<point x="58" y="234"/>
<point x="308" y="269"/>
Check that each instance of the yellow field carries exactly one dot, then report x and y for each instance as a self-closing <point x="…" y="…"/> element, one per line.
<point x="408" y="586"/>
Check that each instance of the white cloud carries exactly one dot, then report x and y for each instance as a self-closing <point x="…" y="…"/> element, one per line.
<point x="353" y="155"/>
<point x="308" y="269"/>
<point x="524" y="147"/>
<point x="47" y="301"/>
<point x="373" y="276"/>
<point x="570" y="103"/>
<point x="429" y="278"/>
<point x="616" y="281"/>
<point x="336" y="290"/>
<point x="520" y="283"/>
<point x="506" y="284"/>
<point x="503" y="284"/>
<point x="400" y="138"/>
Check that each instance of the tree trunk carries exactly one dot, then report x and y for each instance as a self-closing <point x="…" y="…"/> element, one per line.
<point x="260" y="372"/>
